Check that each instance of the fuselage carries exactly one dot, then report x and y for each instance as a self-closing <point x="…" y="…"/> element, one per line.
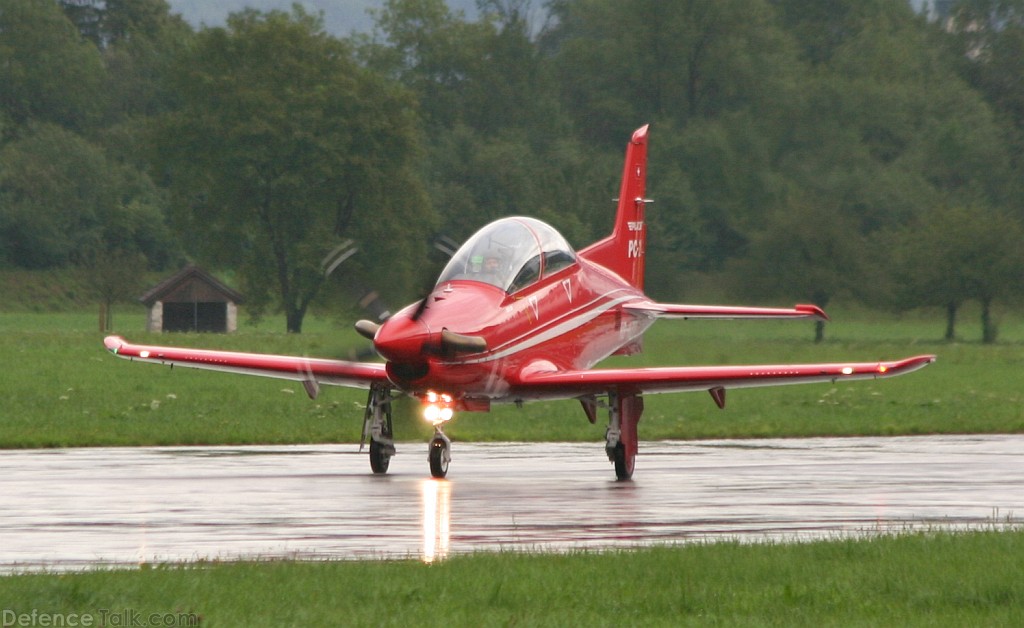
<point x="571" y="319"/>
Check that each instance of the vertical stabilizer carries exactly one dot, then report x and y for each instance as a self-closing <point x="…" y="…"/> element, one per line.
<point x="624" y="251"/>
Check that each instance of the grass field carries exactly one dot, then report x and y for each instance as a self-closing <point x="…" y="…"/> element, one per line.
<point x="62" y="388"/>
<point x="922" y="579"/>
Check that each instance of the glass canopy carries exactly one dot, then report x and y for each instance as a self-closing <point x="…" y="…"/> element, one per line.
<point x="510" y="253"/>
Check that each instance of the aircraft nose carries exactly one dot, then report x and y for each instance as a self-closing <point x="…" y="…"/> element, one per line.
<point x="401" y="339"/>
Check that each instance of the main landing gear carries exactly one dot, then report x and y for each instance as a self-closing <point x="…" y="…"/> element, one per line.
<point x="624" y="411"/>
<point x="621" y="437"/>
<point x="377" y="425"/>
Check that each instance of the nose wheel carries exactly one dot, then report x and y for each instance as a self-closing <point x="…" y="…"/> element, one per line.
<point x="439" y="454"/>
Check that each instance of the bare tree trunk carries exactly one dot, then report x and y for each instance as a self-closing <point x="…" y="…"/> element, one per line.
<point x="951" y="321"/>
<point x="989" y="330"/>
<point x="294" y="318"/>
<point x="819" y="331"/>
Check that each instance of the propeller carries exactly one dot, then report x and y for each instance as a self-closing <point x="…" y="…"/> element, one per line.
<point x="412" y="342"/>
<point x="368" y="300"/>
<point x="448" y="247"/>
<point x="337" y="255"/>
<point x="447" y="343"/>
<point x="367" y="329"/>
<point x="420" y="308"/>
<point x="452" y="342"/>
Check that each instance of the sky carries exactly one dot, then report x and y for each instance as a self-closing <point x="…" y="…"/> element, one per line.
<point x="341" y="17"/>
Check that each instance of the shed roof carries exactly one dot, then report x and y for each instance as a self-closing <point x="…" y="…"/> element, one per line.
<point x="188" y="284"/>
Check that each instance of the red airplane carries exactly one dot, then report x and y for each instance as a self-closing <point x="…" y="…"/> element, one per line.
<point x="516" y="316"/>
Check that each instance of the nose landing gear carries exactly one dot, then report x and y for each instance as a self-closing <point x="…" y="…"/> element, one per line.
<point x="439" y="454"/>
<point x="439" y="409"/>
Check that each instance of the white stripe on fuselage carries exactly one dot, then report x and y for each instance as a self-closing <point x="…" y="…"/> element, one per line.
<point x="573" y="320"/>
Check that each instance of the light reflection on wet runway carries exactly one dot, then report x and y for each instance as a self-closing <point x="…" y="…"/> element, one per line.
<point x="75" y="508"/>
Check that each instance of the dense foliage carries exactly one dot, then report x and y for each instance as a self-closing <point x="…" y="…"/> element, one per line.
<point x="801" y="149"/>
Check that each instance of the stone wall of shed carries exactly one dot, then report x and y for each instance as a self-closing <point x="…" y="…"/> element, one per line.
<point x="155" y="319"/>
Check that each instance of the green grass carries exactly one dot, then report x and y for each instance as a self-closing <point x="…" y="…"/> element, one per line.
<point x="62" y="388"/>
<point x="46" y="290"/>
<point x="921" y="579"/>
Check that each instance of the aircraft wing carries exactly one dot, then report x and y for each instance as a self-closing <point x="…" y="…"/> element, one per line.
<point x="725" y="312"/>
<point x="714" y="379"/>
<point x="310" y="371"/>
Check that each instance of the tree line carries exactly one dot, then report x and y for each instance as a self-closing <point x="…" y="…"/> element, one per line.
<point x="801" y="149"/>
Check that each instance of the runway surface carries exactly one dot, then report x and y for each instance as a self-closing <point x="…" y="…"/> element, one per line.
<point x="81" y="508"/>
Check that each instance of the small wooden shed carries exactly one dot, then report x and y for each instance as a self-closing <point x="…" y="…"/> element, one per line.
<point x="192" y="300"/>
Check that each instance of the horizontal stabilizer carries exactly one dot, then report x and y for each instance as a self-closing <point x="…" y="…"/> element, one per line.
<point x="726" y="312"/>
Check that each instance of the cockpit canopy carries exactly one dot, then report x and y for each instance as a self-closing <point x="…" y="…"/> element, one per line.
<point x="510" y="253"/>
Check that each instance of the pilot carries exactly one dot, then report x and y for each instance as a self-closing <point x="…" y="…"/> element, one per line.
<point x="492" y="263"/>
<point x="487" y="267"/>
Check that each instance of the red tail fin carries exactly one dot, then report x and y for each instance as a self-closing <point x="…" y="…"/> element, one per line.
<point x="623" y="252"/>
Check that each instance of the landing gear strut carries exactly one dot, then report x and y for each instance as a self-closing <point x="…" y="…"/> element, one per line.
<point x="621" y="437"/>
<point x="377" y="425"/>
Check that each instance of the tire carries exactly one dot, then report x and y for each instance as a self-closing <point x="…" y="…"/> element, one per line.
<point x="379" y="458"/>
<point x="624" y="463"/>
<point x="438" y="464"/>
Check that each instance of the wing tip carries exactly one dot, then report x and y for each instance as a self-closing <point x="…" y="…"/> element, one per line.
<point x="907" y="365"/>
<point x="812" y="310"/>
<point x="921" y="361"/>
<point x="113" y="343"/>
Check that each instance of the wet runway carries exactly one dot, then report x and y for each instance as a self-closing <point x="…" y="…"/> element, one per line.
<point x="79" y="508"/>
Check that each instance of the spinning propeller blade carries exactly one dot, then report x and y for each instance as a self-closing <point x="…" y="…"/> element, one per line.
<point x="452" y="342"/>
<point x="367" y="329"/>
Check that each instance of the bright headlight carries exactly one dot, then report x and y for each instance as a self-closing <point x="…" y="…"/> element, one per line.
<point x="431" y="412"/>
<point x="437" y="408"/>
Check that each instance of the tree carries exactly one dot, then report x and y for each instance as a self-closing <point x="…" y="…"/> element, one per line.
<point x="141" y="38"/>
<point x="823" y="26"/>
<point x="48" y="72"/>
<point x="499" y="144"/>
<point x="430" y="50"/>
<point x="621" y="64"/>
<point x="114" y="276"/>
<point x="283" y="147"/>
<point x="956" y="254"/>
<point x="808" y="252"/>
<point x="62" y="202"/>
<point x="988" y="36"/>
<point x="890" y="128"/>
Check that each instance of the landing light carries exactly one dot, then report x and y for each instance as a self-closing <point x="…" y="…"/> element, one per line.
<point x="437" y="407"/>
<point x="847" y="370"/>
